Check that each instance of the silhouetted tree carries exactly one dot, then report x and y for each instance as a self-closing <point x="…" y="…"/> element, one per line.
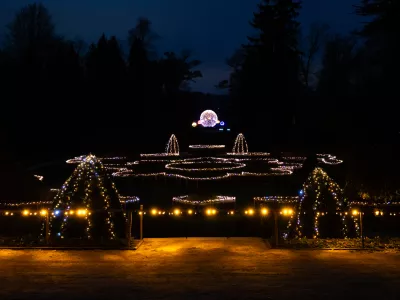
<point x="270" y="70"/>
<point x="142" y="70"/>
<point x="104" y="61"/>
<point x="338" y="62"/>
<point x="312" y="44"/>
<point x="382" y="34"/>
<point x="28" y="39"/>
<point x="178" y="70"/>
<point x="235" y="62"/>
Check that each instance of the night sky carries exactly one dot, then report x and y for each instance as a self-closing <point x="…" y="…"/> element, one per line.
<point x="210" y="28"/>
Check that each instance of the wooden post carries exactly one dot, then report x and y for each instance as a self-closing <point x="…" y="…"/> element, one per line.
<point x="129" y="228"/>
<point x="47" y="228"/>
<point x="141" y="221"/>
<point x="361" y="230"/>
<point x="276" y="228"/>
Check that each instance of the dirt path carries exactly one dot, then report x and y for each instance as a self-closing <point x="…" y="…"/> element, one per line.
<point x="199" y="269"/>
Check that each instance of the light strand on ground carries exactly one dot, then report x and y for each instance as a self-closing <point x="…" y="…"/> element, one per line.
<point x="233" y="166"/>
<point x="206" y="146"/>
<point x="217" y="200"/>
<point x="328" y="159"/>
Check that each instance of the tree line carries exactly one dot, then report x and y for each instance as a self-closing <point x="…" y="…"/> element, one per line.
<point x="60" y="96"/>
<point x="279" y="89"/>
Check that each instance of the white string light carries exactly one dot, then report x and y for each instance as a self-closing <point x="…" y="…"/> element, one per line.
<point x="228" y="175"/>
<point x="206" y="146"/>
<point x="217" y="200"/>
<point x="328" y="159"/>
<point x="233" y="165"/>
<point x="278" y="199"/>
<point x="240" y="145"/>
<point x="172" y="145"/>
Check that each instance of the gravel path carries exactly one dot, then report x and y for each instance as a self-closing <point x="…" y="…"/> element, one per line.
<point x="195" y="268"/>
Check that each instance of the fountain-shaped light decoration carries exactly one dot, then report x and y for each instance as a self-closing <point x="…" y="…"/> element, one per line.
<point x="172" y="146"/>
<point x="240" y="146"/>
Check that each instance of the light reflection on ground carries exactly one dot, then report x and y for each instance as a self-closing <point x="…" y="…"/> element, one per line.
<point x="209" y="268"/>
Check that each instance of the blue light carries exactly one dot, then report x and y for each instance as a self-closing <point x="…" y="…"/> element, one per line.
<point x="228" y="129"/>
<point x="222" y="123"/>
<point x="56" y="212"/>
<point x="301" y="192"/>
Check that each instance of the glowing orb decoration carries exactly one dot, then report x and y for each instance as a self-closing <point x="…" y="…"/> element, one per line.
<point x="194" y="124"/>
<point x="222" y="123"/>
<point x="208" y="118"/>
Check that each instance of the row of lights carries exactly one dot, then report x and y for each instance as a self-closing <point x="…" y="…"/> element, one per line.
<point x="213" y="211"/>
<point x="356" y="212"/>
<point x="264" y="211"/>
<point x="45" y="212"/>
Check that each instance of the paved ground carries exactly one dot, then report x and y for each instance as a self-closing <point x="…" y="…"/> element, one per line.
<point x="199" y="269"/>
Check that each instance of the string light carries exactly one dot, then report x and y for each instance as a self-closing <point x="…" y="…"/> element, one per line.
<point x="250" y="154"/>
<point x="228" y="175"/>
<point x="278" y="199"/>
<point x="172" y="149"/>
<point x="294" y="158"/>
<point x="172" y="146"/>
<point x="174" y="166"/>
<point x="157" y="154"/>
<point x="240" y="146"/>
<point x="38" y="177"/>
<point x="328" y="159"/>
<point x="129" y="199"/>
<point x="89" y="175"/>
<point x="217" y="200"/>
<point x="26" y="203"/>
<point x="206" y="146"/>
<point x="79" y="159"/>
<point x="318" y="179"/>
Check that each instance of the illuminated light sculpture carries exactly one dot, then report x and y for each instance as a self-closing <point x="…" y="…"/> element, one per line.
<point x="172" y="146"/>
<point x="172" y="149"/>
<point x="90" y="187"/>
<point x="240" y="146"/>
<point x="317" y="180"/>
<point x="208" y="118"/>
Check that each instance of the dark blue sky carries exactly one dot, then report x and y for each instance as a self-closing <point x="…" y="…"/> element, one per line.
<point x="210" y="28"/>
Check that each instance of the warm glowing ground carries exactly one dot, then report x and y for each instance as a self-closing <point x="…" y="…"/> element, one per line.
<point x="199" y="269"/>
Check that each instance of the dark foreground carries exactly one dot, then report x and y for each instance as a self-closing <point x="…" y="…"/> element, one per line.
<point x="199" y="269"/>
